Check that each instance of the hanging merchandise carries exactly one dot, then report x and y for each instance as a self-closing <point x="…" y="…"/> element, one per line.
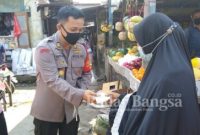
<point x="119" y="26"/>
<point x="136" y="19"/>
<point x="127" y="60"/>
<point x="15" y="59"/>
<point x="141" y="10"/>
<point x="17" y="30"/>
<point x="131" y="36"/>
<point x="23" y="62"/>
<point x="122" y="36"/>
<point x="130" y="26"/>
<point x="106" y="27"/>
<point x="7" y="22"/>
<point x="125" y="22"/>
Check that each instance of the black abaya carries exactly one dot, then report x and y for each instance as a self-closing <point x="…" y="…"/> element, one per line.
<point x="169" y="80"/>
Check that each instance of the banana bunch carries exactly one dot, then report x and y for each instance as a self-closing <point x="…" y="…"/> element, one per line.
<point x="106" y="27"/>
<point x="131" y="36"/>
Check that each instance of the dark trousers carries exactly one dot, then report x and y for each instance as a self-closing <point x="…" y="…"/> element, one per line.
<point x="52" y="128"/>
<point x="3" y="127"/>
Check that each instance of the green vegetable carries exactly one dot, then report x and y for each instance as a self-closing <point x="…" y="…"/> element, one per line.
<point x="112" y="52"/>
<point x="101" y="126"/>
<point x="123" y="50"/>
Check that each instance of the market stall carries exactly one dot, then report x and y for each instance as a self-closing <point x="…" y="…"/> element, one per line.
<point x="125" y="72"/>
<point x="129" y="14"/>
<point x="123" y="60"/>
<point x="15" y="37"/>
<point x="123" y="56"/>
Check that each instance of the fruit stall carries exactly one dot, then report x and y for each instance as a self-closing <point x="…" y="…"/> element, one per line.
<point x="126" y="61"/>
<point x="122" y="60"/>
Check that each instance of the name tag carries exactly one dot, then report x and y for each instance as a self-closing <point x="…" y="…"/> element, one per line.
<point x="77" y="56"/>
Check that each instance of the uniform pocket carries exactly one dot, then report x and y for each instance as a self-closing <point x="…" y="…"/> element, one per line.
<point x="61" y="65"/>
<point x="77" y="67"/>
<point x="61" y="62"/>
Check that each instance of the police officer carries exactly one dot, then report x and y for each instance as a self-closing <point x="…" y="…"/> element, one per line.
<point x="193" y="34"/>
<point x="63" y="75"/>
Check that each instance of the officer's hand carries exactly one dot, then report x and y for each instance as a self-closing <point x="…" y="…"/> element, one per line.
<point x="89" y="96"/>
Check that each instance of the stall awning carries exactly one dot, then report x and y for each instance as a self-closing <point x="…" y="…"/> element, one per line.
<point x="11" y="6"/>
<point x="84" y="7"/>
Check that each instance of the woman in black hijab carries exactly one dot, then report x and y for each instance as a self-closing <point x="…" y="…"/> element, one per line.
<point x="166" y="101"/>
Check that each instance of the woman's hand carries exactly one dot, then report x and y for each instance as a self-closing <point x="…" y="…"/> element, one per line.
<point x="113" y="97"/>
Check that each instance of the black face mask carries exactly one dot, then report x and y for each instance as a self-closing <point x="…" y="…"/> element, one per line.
<point x="71" y="38"/>
<point x="196" y="21"/>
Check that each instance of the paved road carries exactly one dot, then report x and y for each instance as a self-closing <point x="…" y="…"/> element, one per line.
<point x="19" y="121"/>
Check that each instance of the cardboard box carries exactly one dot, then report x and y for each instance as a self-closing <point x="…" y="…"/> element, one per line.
<point x="112" y="86"/>
<point x="115" y="86"/>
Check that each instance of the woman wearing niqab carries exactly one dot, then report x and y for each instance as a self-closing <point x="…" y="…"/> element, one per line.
<point x="166" y="100"/>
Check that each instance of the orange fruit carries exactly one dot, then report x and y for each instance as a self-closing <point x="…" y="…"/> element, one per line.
<point x="135" y="71"/>
<point x="141" y="70"/>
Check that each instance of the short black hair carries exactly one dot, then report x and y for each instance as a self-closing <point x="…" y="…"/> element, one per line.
<point x="65" y="12"/>
<point x="195" y="11"/>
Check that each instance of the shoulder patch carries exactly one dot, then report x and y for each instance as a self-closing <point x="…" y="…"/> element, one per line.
<point x="44" y="50"/>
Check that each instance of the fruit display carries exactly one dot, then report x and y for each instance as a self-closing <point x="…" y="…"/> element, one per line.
<point x="131" y="26"/>
<point x="134" y="64"/>
<point x="119" y="26"/>
<point x="127" y="59"/>
<point x="116" y="58"/>
<point x="122" y="50"/>
<point x="124" y="55"/>
<point x="196" y="73"/>
<point x="131" y="36"/>
<point x="129" y="23"/>
<point x="136" y="19"/>
<point x="196" y="62"/>
<point x="117" y="54"/>
<point x="112" y="52"/>
<point x="138" y="73"/>
<point x="133" y="51"/>
<point x="106" y="27"/>
<point x="125" y="22"/>
<point x="122" y="35"/>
